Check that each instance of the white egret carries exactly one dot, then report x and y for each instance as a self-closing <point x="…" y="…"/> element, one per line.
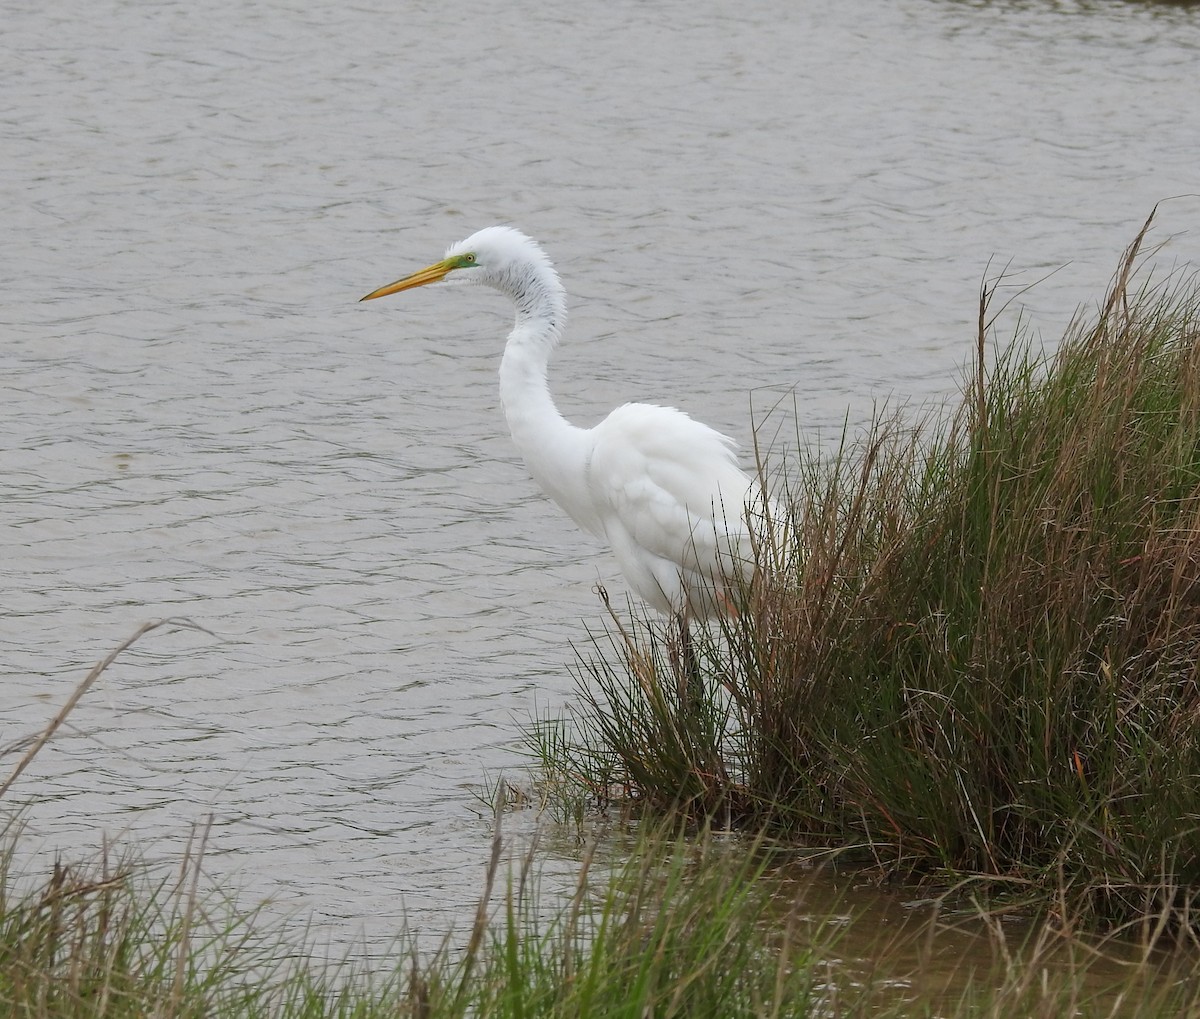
<point x="664" y="490"/>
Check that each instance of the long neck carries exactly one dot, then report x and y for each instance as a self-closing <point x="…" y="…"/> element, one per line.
<point x="524" y="390"/>
<point x="553" y="449"/>
<point x="541" y="313"/>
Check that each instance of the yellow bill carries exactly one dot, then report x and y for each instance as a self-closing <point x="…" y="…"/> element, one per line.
<point x="430" y="274"/>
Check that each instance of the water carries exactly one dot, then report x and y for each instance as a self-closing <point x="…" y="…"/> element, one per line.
<point x="200" y="421"/>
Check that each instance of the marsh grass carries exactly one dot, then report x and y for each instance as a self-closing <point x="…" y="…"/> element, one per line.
<point x="696" y="926"/>
<point x="104" y="941"/>
<point x="977" y="654"/>
<point x="675" y="932"/>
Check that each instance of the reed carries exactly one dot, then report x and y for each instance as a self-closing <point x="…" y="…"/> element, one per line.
<point x="674" y="932"/>
<point x="977" y="652"/>
<point x="696" y="926"/>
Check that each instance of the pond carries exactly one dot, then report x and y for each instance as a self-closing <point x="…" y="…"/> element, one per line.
<point x="747" y="205"/>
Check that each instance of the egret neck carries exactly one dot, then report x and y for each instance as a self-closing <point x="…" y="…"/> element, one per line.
<point x="555" y="451"/>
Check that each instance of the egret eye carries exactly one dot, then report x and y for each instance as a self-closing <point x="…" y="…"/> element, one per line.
<point x="468" y="259"/>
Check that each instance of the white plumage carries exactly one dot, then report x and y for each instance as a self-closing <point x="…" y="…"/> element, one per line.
<point x="663" y="489"/>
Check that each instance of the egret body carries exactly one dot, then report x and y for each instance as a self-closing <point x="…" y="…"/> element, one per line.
<point x="664" y="490"/>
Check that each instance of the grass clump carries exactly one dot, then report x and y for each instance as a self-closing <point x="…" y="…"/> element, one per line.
<point x="979" y="653"/>
<point x="691" y="927"/>
<point x="96" y="941"/>
<point x="675" y="932"/>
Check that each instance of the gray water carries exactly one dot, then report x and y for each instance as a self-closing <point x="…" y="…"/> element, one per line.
<point x="199" y="420"/>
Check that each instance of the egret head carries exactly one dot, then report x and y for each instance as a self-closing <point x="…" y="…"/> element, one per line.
<point x="496" y="256"/>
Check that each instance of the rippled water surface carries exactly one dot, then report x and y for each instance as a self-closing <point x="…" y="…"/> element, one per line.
<point x="199" y="420"/>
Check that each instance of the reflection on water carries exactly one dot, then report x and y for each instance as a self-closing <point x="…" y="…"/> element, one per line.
<point x="199" y="420"/>
<point x="891" y="947"/>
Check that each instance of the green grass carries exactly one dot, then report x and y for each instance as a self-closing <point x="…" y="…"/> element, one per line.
<point x="978" y="653"/>
<point x="675" y="932"/>
<point x="103" y="941"/>
<point x="693" y="927"/>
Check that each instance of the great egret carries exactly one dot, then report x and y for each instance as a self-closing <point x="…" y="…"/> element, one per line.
<point x="665" y="490"/>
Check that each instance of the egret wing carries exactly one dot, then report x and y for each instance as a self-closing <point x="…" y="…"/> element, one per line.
<point x="671" y="483"/>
